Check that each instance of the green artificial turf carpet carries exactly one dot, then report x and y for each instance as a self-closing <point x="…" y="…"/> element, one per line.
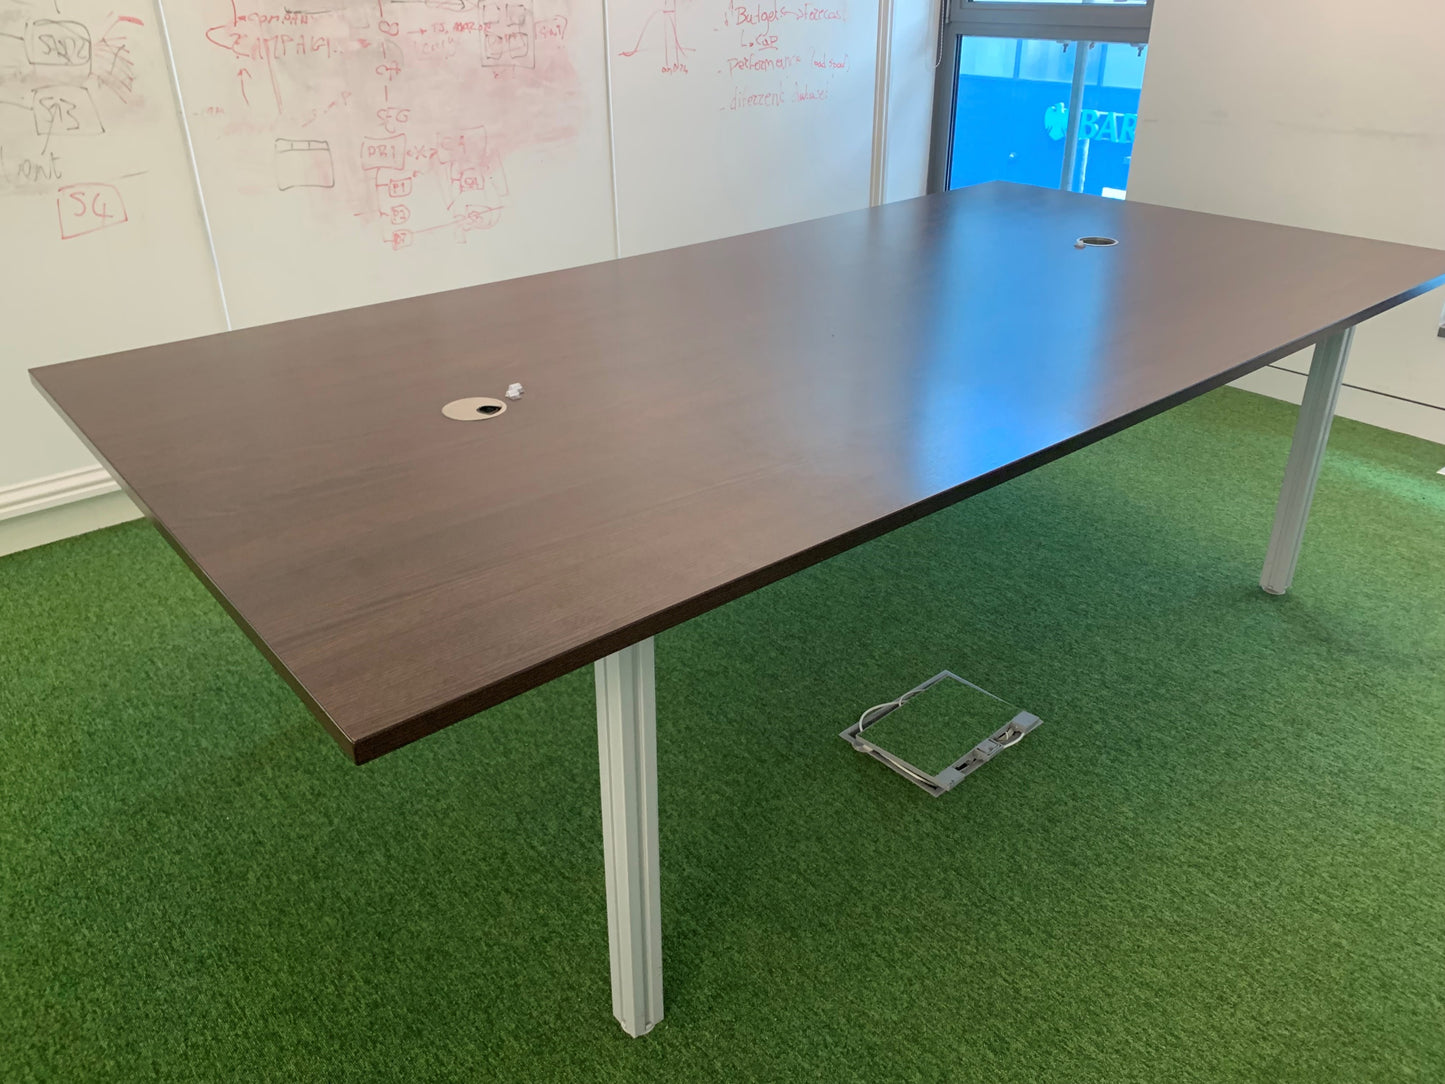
<point x="1222" y="858"/>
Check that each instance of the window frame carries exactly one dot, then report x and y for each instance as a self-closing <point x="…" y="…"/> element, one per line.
<point x="1126" y="24"/>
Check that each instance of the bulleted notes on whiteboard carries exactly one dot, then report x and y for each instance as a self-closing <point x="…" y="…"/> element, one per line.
<point x="730" y="116"/>
<point x="354" y="151"/>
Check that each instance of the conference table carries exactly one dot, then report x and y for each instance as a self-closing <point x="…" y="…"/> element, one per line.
<point x="691" y="425"/>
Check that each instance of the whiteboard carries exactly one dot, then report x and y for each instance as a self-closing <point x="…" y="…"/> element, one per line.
<point x="103" y="240"/>
<point x="733" y="116"/>
<point x="355" y="151"/>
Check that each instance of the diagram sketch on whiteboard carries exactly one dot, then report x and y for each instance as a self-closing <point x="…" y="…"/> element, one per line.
<point x="65" y="67"/>
<point x="397" y="114"/>
<point x="304" y="163"/>
<point x="660" y="29"/>
<point x="508" y="31"/>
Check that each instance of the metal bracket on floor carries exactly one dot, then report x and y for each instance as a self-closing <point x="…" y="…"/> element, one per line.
<point x="1005" y="737"/>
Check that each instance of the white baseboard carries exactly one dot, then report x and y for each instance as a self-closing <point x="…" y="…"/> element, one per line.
<point x="24" y="498"/>
<point x="1387" y="412"/>
<point x="59" y="506"/>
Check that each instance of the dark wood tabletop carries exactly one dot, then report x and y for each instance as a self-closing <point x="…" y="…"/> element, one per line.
<point x="696" y="423"/>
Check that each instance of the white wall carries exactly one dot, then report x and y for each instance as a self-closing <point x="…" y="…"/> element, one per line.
<point x="1328" y="114"/>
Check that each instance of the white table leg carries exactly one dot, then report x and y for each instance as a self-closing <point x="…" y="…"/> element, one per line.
<point x="1306" y="453"/>
<point x="627" y="751"/>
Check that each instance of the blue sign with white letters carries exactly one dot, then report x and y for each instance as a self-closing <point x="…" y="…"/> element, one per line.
<point x="1105" y="127"/>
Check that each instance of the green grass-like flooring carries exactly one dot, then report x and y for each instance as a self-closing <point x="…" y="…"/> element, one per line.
<point x="1221" y="859"/>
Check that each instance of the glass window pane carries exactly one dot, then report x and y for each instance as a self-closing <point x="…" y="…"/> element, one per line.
<point x="1046" y="61"/>
<point x="1107" y="121"/>
<point x="1002" y="124"/>
<point x="1123" y="65"/>
<point x="988" y="56"/>
<point x="1011" y="113"/>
